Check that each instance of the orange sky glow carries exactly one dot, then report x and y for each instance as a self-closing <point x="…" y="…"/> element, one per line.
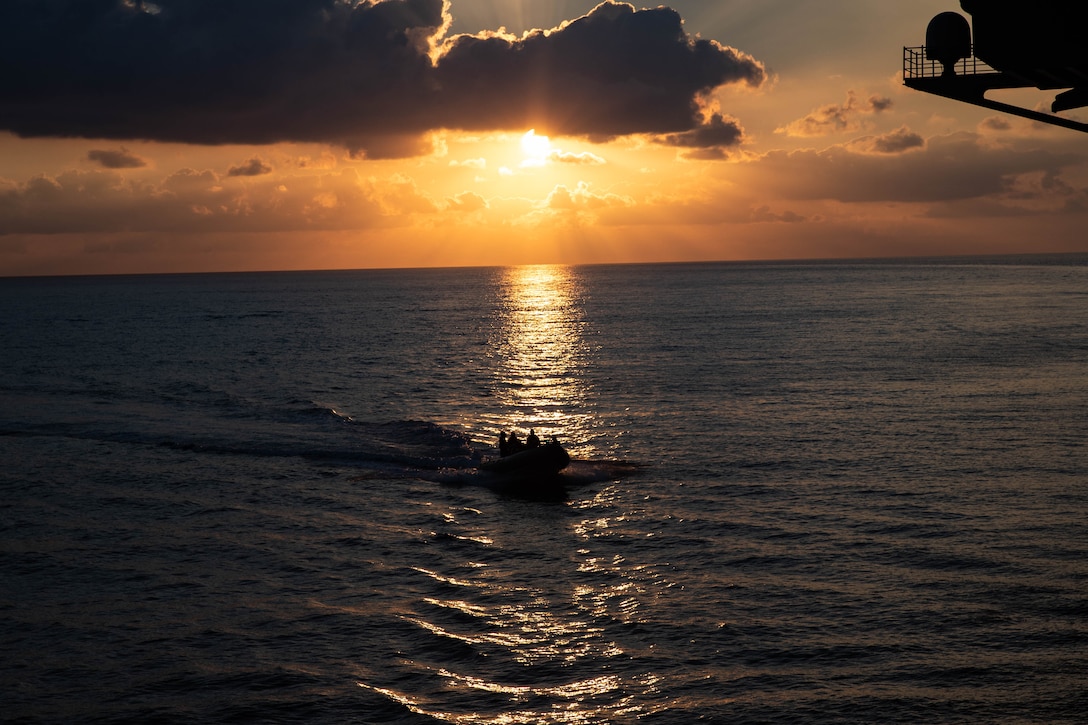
<point x="760" y="130"/>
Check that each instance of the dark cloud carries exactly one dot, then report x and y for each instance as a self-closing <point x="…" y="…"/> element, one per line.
<point x="614" y="71"/>
<point x="996" y="123"/>
<point x="765" y="214"/>
<point x="717" y="133"/>
<point x="368" y="74"/>
<point x="902" y="139"/>
<point x="253" y="167"/>
<point x="897" y="141"/>
<point x="877" y="104"/>
<point x="116" y="159"/>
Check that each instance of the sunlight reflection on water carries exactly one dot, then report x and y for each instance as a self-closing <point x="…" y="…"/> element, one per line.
<point x="530" y="642"/>
<point x="543" y="355"/>
<point x="525" y="644"/>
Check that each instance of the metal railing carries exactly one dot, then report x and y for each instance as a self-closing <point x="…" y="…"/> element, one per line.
<point x="916" y="65"/>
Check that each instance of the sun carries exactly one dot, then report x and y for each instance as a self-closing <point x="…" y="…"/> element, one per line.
<point x="536" y="148"/>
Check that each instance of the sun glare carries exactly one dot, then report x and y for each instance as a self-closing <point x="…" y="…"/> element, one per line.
<point x="536" y="148"/>
<point x="542" y="349"/>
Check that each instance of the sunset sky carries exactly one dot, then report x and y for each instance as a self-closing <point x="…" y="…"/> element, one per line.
<point x="216" y="135"/>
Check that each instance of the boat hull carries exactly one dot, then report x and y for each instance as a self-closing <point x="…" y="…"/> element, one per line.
<point x="546" y="460"/>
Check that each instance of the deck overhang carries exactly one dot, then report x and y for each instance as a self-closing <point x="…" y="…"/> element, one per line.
<point x="970" y="79"/>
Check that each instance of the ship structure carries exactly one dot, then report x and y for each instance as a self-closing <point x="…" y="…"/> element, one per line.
<point x="1040" y="44"/>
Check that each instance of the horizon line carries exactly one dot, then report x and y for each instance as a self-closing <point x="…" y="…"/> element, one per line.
<point x="1006" y="258"/>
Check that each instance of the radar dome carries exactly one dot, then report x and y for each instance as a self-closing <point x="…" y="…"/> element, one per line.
<point x="948" y="40"/>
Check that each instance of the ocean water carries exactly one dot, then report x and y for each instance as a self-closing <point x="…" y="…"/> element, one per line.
<point x="819" y="493"/>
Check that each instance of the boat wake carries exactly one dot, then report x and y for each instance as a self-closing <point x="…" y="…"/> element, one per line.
<point x="579" y="474"/>
<point x="262" y="430"/>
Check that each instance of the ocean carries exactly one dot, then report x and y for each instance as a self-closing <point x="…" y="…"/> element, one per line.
<point x="838" y="492"/>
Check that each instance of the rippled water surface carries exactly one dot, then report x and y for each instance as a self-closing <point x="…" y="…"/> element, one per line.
<point x="801" y="493"/>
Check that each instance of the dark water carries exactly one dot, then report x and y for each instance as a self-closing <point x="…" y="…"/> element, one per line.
<point x="802" y="493"/>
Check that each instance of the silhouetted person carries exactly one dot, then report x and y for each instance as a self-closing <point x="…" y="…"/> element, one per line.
<point x="532" y="441"/>
<point x="503" y="445"/>
<point x="513" y="443"/>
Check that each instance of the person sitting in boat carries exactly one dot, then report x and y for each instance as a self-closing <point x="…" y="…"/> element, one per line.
<point x="503" y="445"/>
<point x="514" y="444"/>
<point x="532" y="441"/>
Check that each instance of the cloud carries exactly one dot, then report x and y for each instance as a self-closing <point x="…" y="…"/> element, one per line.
<point x="116" y="158"/>
<point x="253" y="167"/>
<point x="995" y="123"/>
<point x="580" y="197"/>
<point x="614" y="71"/>
<point x="947" y="168"/>
<point x="900" y="140"/>
<point x="467" y="201"/>
<point x="718" y="133"/>
<point x="373" y="75"/>
<point x="837" y="118"/>
<point x="765" y="214"/>
<point x="198" y="201"/>
<point x="185" y="180"/>
<point x="584" y="158"/>
<point x="479" y="163"/>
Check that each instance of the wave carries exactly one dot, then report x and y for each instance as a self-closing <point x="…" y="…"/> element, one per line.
<point x="207" y="419"/>
<point x="315" y="431"/>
